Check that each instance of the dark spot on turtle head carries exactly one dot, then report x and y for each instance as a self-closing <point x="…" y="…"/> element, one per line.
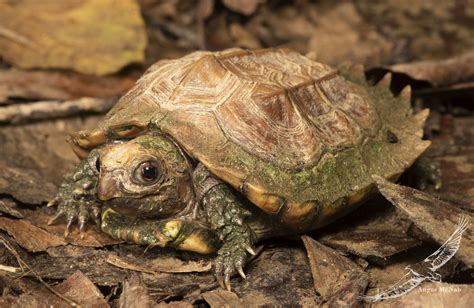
<point x="391" y="137"/>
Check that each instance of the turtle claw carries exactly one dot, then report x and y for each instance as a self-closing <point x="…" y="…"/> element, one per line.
<point x="70" y="220"/>
<point x="58" y="215"/>
<point x="250" y="250"/>
<point x="227" y="279"/>
<point x="240" y="270"/>
<point x="231" y="259"/>
<point x="52" y="203"/>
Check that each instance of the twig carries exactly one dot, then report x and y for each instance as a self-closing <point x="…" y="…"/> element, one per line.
<point x="23" y="265"/>
<point x="20" y="113"/>
<point x="10" y="269"/>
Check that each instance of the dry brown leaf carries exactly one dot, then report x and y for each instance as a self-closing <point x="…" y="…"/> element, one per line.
<point x="437" y="218"/>
<point x="332" y="272"/>
<point x="92" y="37"/>
<point x="221" y="298"/>
<point x="41" y="85"/>
<point x="441" y="73"/>
<point x="8" y="206"/>
<point x="376" y="231"/>
<point x="82" y="291"/>
<point x="29" y="236"/>
<point x="135" y="293"/>
<point x="246" y="7"/>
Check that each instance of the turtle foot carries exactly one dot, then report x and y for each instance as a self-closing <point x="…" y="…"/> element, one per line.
<point x="231" y="260"/>
<point x="76" y="199"/>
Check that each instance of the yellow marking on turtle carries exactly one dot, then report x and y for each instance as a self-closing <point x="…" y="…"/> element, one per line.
<point x="195" y="242"/>
<point x="172" y="228"/>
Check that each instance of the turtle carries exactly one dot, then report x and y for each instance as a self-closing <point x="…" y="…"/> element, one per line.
<point x="215" y="151"/>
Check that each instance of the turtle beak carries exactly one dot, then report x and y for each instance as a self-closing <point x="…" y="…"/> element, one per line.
<point x="107" y="187"/>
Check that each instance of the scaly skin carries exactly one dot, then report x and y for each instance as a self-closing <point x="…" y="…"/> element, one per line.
<point x="177" y="233"/>
<point x="76" y="198"/>
<point x="227" y="215"/>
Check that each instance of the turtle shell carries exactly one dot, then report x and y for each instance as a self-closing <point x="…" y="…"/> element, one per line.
<point x="298" y="138"/>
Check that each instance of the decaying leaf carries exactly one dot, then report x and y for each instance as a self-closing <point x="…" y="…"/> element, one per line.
<point x="332" y="272"/>
<point x="134" y="293"/>
<point x="29" y="236"/>
<point x="221" y="298"/>
<point x="376" y="231"/>
<point x="92" y="37"/>
<point x="8" y="206"/>
<point x="437" y="218"/>
<point x="81" y="290"/>
<point x="459" y="69"/>
<point x="279" y="276"/>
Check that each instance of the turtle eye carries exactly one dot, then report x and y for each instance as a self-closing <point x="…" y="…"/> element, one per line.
<point x="148" y="172"/>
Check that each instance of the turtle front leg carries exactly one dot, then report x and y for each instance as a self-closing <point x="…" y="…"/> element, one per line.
<point x="76" y="198"/>
<point x="227" y="215"/>
<point x="177" y="233"/>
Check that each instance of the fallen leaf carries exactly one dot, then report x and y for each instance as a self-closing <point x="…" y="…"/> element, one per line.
<point x="437" y="218"/>
<point x="92" y="37"/>
<point x="221" y="298"/>
<point x="332" y="272"/>
<point x="279" y="276"/>
<point x="348" y="294"/>
<point x="134" y="293"/>
<point x="376" y="232"/>
<point x="28" y="236"/>
<point x="440" y="73"/>
<point x="81" y="290"/>
<point x="8" y="206"/>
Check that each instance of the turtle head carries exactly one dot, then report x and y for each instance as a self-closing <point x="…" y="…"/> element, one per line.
<point x="147" y="176"/>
